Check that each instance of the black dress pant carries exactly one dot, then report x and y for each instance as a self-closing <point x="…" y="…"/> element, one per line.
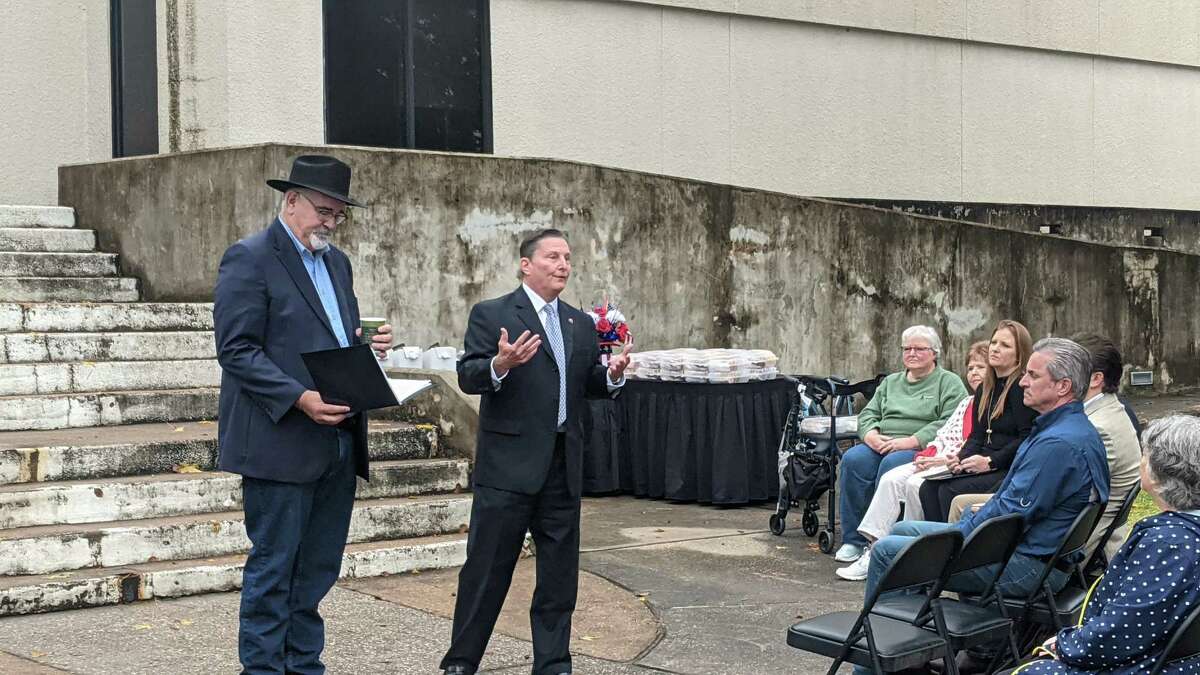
<point x="499" y="519"/>
<point x="936" y="495"/>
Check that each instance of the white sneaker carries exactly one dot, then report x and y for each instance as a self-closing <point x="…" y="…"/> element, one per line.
<point x="848" y="553"/>
<point x="856" y="571"/>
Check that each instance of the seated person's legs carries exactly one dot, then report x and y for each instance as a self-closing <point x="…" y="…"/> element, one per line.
<point x="885" y="550"/>
<point x="856" y="484"/>
<point x="963" y="504"/>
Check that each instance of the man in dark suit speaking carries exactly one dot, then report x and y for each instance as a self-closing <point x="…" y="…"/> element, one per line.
<point x="528" y="458"/>
<point x="282" y="292"/>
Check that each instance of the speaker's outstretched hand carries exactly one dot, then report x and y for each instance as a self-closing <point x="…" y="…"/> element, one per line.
<point x="509" y="355"/>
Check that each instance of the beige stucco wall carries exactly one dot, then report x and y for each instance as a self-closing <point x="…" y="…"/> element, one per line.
<point x="54" y="84"/>
<point x="981" y="101"/>
<point x="235" y="72"/>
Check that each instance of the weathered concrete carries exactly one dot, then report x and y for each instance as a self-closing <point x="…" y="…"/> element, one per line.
<point x="829" y="286"/>
<point x="174" y="579"/>
<point x="56" y="548"/>
<point x="455" y="414"/>
<point x="93" y="453"/>
<point x="1177" y="230"/>
<point x="43" y="239"/>
<point x="57" y="264"/>
<point x="36" y="216"/>
<point x="76" y="317"/>
<point x="62" y="411"/>
<point x="22" y="379"/>
<point x="176" y="494"/>
<point x="72" y="347"/>
<point x="70" y="289"/>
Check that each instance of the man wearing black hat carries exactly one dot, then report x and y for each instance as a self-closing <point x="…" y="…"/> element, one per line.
<point x="282" y="292"/>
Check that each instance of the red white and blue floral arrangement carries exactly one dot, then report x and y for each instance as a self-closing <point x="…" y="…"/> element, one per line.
<point x="611" y="327"/>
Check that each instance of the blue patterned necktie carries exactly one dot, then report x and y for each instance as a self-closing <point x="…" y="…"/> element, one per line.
<point x="554" y="333"/>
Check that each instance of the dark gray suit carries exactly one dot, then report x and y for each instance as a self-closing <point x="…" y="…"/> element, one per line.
<point x="528" y="475"/>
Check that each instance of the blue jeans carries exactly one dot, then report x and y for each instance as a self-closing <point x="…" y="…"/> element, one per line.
<point x="860" y="470"/>
<point x="298" y="532"/>
<point x="1019" y="577"/>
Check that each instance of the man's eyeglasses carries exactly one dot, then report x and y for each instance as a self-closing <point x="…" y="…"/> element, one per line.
<point x="325" y="213"/>
<point x="916" y="350"/>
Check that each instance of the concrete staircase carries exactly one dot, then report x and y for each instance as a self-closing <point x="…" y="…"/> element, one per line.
<point x="108" y="492"/>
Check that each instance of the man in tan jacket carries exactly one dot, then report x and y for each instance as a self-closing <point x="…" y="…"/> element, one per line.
<point x="1116" y="425"/>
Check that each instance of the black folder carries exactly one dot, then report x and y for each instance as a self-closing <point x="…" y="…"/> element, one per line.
<point x="352" y="376"/>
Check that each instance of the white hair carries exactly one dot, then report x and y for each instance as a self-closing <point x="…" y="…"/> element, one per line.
<point x="926" y="333"/>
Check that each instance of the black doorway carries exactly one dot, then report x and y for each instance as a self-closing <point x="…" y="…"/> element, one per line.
<point x="408" y="74"/>
<point x="133" y="52"/>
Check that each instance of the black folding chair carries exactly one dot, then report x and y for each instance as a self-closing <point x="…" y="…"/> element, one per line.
<point x="983" y="620"/>
<point x="1098" y="562"/>
<point x="1184" y="644"/>
<point x="1045" y="608"/>
<point x="877" y="642"/>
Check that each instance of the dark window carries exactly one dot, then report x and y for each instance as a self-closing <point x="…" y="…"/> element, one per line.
<point x="408" y="74"/>
<point x="134" y="58"/>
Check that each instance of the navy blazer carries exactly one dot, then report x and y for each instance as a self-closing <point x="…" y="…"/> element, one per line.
<point x="518" y="424"/>
<point x="266" y="313"/>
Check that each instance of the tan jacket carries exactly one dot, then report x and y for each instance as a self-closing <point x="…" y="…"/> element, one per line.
<point x="1124" y="462"/>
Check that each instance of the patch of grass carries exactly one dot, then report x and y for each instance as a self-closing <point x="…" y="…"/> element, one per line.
<point x="1143" y="507"/>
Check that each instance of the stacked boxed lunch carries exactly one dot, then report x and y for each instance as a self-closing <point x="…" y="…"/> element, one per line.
<point x="717" y="366"/>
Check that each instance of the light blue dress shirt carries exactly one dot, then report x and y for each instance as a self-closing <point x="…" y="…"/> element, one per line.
<point x="314" y="264"/>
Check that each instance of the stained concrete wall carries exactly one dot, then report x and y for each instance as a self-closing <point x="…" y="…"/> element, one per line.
<point x="827" y="285"/>
<point x="1071" y="102"/>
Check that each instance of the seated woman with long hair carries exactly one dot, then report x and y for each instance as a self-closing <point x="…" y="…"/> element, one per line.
<point x="1001" y="423"/>
<point x="1151" y="584"/>
<point x="901" y="485"/>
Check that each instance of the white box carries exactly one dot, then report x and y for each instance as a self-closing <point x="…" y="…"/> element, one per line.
<point x="440" y="358"/>
<point x="406" y="357"/>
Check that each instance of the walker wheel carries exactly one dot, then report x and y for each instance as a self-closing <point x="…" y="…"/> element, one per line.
<point x="825" y="541"/>
<point x="777" y="524"/>
<point x="810" y="523"/>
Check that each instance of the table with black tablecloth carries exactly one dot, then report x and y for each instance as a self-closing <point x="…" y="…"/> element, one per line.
<point x="711" y="443"/>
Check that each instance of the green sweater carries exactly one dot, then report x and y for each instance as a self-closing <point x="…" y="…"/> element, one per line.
<point x="901" y="408"/>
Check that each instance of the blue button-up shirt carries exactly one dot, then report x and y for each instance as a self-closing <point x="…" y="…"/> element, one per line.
<point x="314" y="264"/>
<point x="1059" y="468"/>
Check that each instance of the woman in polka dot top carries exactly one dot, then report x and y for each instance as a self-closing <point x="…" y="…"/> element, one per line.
<point x="1153" y="582"/>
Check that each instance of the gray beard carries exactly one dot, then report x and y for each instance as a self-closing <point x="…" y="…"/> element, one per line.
<point x="319" y="241"/>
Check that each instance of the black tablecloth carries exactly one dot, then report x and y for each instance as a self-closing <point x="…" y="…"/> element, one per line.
<point x="711" y="443"/>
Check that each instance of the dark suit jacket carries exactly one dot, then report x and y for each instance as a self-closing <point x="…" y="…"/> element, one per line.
<point x="518" y="423"/>
<point x="266" y="313"/>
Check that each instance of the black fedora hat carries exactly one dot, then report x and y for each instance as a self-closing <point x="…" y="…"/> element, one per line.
<point x="320" y="173"/>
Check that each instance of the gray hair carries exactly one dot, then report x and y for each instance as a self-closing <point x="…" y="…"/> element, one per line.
<point x="923" y="333"/>
<point x="1068" y="361"/>
<point x="1172" y="446"/>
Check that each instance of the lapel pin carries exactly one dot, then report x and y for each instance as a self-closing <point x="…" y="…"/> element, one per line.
<point x="570" y="319"/>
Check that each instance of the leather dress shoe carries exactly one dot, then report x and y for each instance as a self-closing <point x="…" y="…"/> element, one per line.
<point x="458" y="670"/>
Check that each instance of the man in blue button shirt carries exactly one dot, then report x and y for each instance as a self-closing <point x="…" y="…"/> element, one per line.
<point x="282" y="292"/>
<point x="1058" y="470"/>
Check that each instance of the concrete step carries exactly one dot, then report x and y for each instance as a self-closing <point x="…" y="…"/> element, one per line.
<point x="30" y="379"/>
<point x="46" y="239"/>
<point x="172" y="579"/>
<point x="179" y="494"/>
<point x="24" y="264"/>
<point x="68" y="289"/>
<point x="62" y="411"/>
<point x="77" y="317"/>
<point x="97" y="453"/>
<point x="36" y="216"/>
<point x="69" y="347"/>
<point x="57" y="548"/>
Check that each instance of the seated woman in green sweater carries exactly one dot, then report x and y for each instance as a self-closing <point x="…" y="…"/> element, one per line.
<point x="904" y="415"/>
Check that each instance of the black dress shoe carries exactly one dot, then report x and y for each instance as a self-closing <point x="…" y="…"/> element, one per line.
<point x="458" y="670"/>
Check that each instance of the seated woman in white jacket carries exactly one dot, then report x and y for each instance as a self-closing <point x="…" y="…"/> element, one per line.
<point x="902" y="485"/>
